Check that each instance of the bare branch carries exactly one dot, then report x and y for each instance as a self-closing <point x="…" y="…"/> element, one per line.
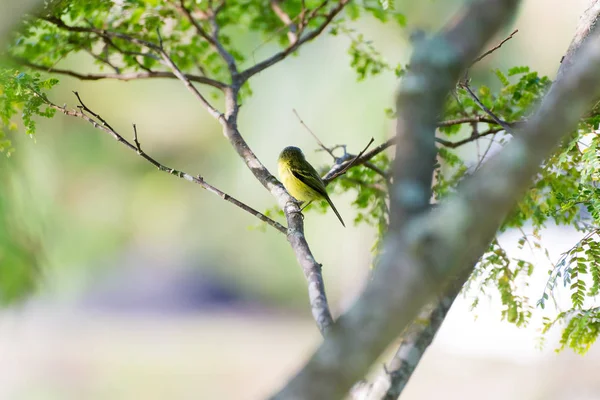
<point x="485" y="109"/>
<point x="124" y="76"/>
<point x="390" y="382"/>
<point x="311" y="268"/>
<point x="328" y="150"/>
<point x="493" y="49"/>
<point x="98" y="122"/>
<point x="378" y="170"/>
<point x="471" y="138"/>
<point x="189" y="85"/>
<point x="295" y="233"/>
<point x="364" y="159"/>
<point x="347" y="165"/>
<point x="247" y="74"/>
<point x="342" y="164"/>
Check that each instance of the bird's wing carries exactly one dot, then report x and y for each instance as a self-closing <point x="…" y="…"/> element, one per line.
<point x="313" y="182"/>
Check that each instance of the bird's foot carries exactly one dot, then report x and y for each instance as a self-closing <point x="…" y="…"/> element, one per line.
<point x="295" y="210"/>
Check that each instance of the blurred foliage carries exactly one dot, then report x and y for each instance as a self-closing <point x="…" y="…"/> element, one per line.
<point x="19" y="250"/>
<point x="121" y="37"/>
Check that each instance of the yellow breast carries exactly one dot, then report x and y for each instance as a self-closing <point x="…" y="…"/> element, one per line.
<point x="294" y="186"/>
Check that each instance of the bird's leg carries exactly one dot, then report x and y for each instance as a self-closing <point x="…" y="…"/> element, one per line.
<point x="308" y="204"/>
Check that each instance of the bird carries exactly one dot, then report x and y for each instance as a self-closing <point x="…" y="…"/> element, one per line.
<point x="300" y="178"/>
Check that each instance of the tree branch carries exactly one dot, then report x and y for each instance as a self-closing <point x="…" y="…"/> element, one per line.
<point x="295" y="233"/>
<point x="586" y="27"/>
<point x="364" y="159"/>
<point x="124" y="76"/>
<point x="471" y="138"/>
<point x="188" y="84"/>
<point x="248" y="73"/>
<point x="489" y="112"/>
<point x="493" y="49"/>
<point x="98" y="122"/>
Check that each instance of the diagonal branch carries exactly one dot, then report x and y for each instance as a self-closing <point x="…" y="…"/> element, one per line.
<point x="343" y="168"/>
<point x="98" y="122"/>
<point x="248" y="73"/>
<point x="489" y="112"/>
<point x="493" y="49"/>
<point x="295" y="234"/>
<point x="188" y="84"/>
<point x="413" y="345"/>
<point x="364" y="159"/>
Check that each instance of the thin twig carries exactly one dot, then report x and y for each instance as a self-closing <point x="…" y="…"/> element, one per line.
<point x="349" y="165"/>
<point x="135" y="139"/>
<point x="98" y="122"/>
<point x="313" y="135"/>
<point x="490" y="51"/>
<point x="489" y="112"/>
<point x="485" y="153"/>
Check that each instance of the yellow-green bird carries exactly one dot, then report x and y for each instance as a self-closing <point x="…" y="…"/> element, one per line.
<point x="300" y="178"/>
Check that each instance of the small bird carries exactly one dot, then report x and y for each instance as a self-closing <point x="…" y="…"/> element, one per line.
<point x="300" y="178"/>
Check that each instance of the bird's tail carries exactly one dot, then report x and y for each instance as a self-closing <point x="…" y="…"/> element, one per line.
<point x="335" y="210"/>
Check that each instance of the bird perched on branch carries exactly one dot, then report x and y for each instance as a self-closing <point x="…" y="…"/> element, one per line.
<point x="300" y="178"/>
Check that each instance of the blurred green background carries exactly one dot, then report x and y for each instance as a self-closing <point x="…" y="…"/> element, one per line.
<point x="150" y="287"/>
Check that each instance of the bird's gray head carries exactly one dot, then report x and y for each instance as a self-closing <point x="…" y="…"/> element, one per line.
<point x="291" y="153"/>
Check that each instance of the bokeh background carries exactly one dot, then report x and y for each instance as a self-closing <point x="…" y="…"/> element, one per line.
<point x="150" y="287"/>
